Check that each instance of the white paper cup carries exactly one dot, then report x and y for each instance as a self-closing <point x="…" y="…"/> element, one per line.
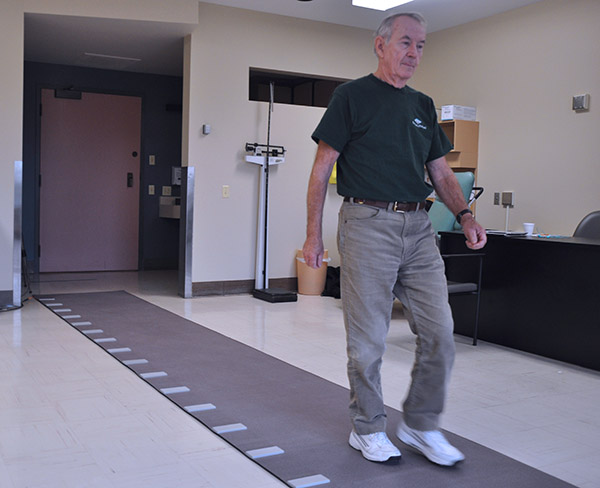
<point x="528" y="227"/>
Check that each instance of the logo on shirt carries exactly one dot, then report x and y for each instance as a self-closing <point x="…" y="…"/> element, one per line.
<point x="419" y="123"/>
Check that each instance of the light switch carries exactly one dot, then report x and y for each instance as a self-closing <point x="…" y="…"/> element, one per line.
<point x="225" y="191"/>
<point x="176" y="175"/>
<point x="150" y="189"/>
<point x="152" y="160"/>
<point x="166" y="191"/>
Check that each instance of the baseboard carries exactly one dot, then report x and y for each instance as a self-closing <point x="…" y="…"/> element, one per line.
<point x="159" y="264"/>
<point x="238" y="287"/>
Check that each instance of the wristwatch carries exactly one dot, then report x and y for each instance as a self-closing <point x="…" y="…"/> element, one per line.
<point x="461" y="213"/>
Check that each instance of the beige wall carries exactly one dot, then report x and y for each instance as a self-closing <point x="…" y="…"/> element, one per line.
<point x="520" y="69"/>
<point x="226" y="43"/>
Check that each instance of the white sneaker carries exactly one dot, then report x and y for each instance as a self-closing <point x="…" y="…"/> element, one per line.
<point x="374" y="447"/>
<point x="432" y="444"/>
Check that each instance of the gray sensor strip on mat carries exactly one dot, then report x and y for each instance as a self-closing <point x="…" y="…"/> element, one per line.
<point x="119" y="349"/>
<point x="174" y="389"/>
<point x="199" y="408"/>
<point x="222" y="429"/>
<point x="153" y="374"/>
<point x="264" y="452"/>
<point x="129" y="362"/>
<point x="315" y="480"/>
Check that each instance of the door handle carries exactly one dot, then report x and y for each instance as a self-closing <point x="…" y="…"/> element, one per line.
<point x="129" y="180"/>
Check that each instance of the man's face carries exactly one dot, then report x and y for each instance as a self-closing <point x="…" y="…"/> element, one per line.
<point x="400" y="56"/>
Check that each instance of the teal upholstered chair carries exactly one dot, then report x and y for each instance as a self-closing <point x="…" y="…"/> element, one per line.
<point x="441" y="218"/>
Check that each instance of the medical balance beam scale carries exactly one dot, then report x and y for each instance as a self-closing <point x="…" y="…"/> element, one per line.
<point x="266" y="155"/>
<point x="259" y="156"/>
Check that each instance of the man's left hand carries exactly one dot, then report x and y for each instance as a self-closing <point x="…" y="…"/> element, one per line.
<point x="475" y="234"/>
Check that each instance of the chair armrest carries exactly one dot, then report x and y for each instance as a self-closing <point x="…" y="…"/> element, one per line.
<point x="479" y="266"/>
<point x="464" y="255"/>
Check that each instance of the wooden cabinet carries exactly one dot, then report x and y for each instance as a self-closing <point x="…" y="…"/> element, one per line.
<point x="464" y="135"/>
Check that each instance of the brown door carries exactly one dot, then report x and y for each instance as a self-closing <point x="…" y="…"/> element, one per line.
<point x="90" y="185"/>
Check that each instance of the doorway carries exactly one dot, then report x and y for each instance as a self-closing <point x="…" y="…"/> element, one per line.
<point x="89" y="182"/>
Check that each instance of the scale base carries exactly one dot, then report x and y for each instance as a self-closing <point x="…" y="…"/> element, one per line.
<point x="275" y="295"/>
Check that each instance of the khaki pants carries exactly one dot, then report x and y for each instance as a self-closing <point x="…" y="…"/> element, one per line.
<point x="386" y="254"/>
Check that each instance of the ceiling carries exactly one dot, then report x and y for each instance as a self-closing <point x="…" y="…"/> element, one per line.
<point x="156" y="47"/>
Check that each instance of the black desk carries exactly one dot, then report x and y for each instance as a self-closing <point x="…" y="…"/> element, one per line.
<point x="539" y="295"/>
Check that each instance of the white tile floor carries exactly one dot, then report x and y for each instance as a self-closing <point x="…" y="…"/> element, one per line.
<point x="72" y="416"/>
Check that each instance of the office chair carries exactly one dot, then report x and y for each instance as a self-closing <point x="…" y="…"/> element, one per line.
<point x="470" y="287"/>
<point x="589" y="227"/>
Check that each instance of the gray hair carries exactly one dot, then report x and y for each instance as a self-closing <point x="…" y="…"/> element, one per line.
<point x="385" y="28"/>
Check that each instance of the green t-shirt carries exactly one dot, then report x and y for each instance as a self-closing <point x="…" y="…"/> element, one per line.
<point x="385" y="136"/>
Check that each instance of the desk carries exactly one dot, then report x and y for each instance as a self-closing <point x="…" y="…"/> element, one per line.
<point x="538" y="295"/>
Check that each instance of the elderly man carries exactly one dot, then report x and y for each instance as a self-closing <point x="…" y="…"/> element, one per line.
<point x="383" y="134"/>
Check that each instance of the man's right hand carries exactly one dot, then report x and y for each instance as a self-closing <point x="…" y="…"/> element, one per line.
<point x="313" y="251"/>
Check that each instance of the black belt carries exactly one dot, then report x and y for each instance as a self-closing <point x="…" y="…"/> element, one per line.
<point x="392" y="206"/>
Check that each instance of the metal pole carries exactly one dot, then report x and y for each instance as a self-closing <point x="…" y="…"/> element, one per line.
<point x="186" y="226"/>
<point x="18" y="238"/>
<point x="266" y="210"/>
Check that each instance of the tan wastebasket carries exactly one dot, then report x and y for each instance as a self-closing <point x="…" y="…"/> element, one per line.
<point x="311" y="281"/>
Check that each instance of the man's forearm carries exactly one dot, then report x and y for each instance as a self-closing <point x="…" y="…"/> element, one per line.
<point x="446" y="186"/>
<point x="317" y="191"/>
<point x="317" y="188"/>
<point x="450" y="192"/>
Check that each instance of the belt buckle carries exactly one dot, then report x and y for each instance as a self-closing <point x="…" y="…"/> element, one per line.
<point x="396" y="209"/>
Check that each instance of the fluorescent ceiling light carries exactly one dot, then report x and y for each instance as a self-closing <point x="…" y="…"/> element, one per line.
<point x="379" y="4"/>
<point x="109" y="56"/>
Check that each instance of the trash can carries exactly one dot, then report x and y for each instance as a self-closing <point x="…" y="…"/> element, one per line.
<point x="311" y="281"/>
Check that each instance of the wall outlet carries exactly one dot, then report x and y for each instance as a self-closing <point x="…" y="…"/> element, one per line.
<point x="507" y="198"/>
<point x="150" y="189"/>
<point x="166" y="191"/>
<point x="497" y="198"/>
<point x="152" y="160"/>
<point x="581" y="102"/>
